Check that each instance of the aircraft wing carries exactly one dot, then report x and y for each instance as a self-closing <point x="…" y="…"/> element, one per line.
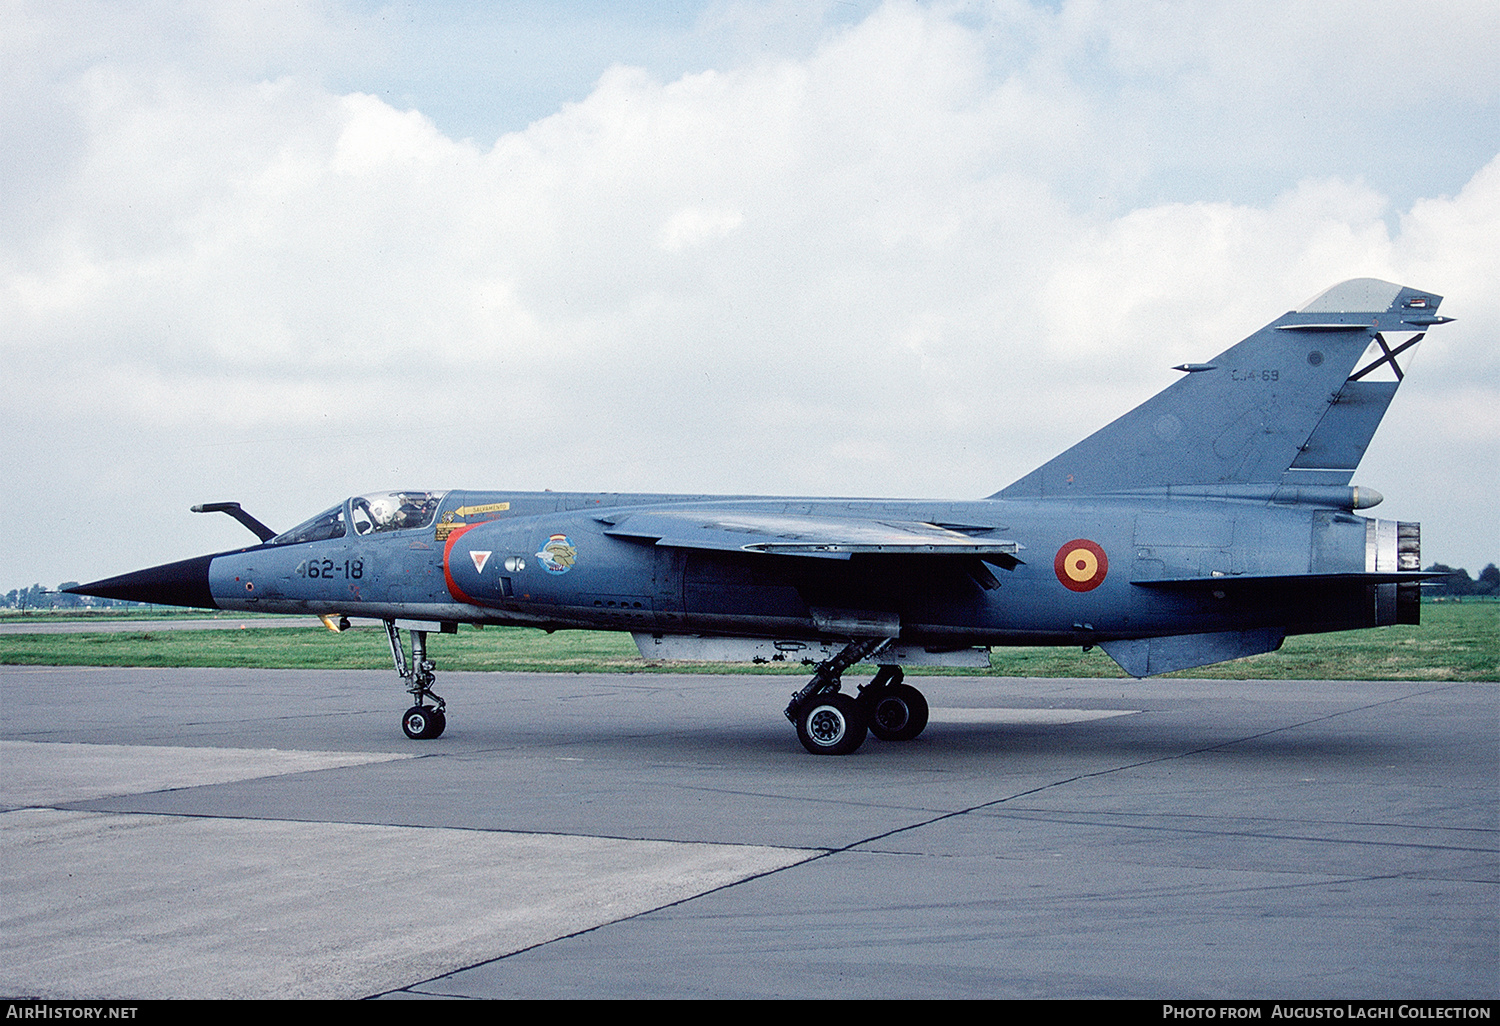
<point x="827" y="537"/>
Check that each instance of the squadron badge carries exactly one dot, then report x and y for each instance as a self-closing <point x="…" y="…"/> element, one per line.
<point x="558" y="555"/>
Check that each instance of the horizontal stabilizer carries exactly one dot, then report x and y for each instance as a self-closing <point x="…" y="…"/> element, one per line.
<point x="828" y="537"/>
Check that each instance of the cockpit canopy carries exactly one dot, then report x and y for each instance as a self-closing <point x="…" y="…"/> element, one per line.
<point x="393" y="511"/>
<point x="369" y="514"/>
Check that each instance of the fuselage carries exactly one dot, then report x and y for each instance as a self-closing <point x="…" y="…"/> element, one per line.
<point x="546" y="560"/>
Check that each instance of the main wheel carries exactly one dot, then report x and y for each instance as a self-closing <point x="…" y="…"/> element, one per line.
<point x="422" y="722"/>
<point x="897" y="713"/>
<point x="832" y="724"/>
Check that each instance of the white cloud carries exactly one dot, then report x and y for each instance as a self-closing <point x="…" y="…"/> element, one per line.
<point x="910" y="261"/>
<point x="693" y="226"/>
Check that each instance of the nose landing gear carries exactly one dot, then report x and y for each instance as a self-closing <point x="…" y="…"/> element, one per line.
<point x="422" y="722"/>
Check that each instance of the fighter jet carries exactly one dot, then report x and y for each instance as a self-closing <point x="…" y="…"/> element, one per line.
<point x="1206" y="524"/>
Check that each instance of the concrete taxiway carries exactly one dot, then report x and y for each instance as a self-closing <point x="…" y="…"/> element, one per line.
<point x="206" y="833"/>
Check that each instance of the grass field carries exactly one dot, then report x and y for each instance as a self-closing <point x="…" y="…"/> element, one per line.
<point x="1456" y="641"/>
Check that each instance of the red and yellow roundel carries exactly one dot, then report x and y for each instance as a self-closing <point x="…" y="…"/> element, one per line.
<point x="1081" y="565"/>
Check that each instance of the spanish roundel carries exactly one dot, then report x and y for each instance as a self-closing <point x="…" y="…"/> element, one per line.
<point x="1081" y="565"/>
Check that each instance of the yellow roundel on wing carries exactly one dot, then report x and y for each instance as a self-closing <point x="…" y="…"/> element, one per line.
<point x="1080" y="565"/>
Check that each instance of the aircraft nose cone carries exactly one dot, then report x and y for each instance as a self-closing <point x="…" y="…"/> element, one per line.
<point x="184" y="583"/>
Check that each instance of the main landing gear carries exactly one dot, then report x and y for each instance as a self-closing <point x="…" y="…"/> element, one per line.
<point x="830" y="722"/>
<point x="421" y="722"/>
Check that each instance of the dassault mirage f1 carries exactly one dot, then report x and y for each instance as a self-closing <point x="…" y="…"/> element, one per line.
<point x="1206" y="524"/>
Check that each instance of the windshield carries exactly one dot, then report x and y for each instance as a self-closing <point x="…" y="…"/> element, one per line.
<point x="329" y="524"/>
<point x="393" y="511"/>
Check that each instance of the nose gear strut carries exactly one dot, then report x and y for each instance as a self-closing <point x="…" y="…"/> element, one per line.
<point x="421" y="722"/>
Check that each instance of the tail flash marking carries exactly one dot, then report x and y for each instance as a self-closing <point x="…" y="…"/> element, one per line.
<point x="1388" y="356"/>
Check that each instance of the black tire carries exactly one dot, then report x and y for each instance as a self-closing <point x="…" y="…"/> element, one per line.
<point x="832" y="725"/>
<point x="422" y="723"/>
<point x="896" y="713"/>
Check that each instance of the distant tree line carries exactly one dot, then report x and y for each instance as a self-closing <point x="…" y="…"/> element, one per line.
<point x="38" y="597"/>
<point x="1457" y="584"/>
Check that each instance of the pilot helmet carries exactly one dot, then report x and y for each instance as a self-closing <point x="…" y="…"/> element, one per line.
<point x="384" y="510"/>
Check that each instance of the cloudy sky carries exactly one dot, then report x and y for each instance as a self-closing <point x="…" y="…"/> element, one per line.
<point x="282" y="252"/>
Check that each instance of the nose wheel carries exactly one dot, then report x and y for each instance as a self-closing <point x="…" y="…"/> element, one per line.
<point x="423" y="722"/>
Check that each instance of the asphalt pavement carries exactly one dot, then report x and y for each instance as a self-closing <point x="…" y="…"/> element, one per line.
<point x="271" y="833"/>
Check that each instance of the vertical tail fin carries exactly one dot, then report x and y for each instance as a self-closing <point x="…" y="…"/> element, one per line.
<point x="1295" y="404"/>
